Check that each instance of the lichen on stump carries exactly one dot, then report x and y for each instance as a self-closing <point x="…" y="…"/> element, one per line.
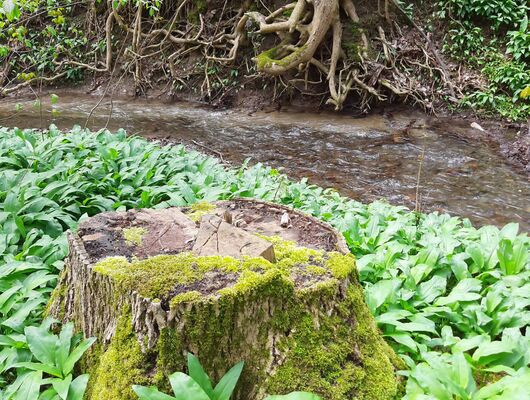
<point x="298" y="319"/>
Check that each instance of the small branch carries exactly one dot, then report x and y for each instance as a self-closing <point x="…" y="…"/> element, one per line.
<point x="33" y="80"/>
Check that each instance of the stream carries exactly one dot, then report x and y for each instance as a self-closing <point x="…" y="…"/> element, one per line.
<point x="365" y="159"/>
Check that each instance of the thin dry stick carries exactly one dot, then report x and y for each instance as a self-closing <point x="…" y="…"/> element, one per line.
<point x="111" y="99"/>
<point x="219" y="154"/>
<point x="108" y="85"/>
<point x="278" y="188"/>
<point x="418" y="179"/>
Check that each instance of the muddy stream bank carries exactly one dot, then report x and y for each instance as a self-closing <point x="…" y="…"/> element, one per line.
<point x="366" y="159"/>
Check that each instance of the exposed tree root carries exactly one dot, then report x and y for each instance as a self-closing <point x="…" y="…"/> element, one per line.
<point x="302" y="43"/>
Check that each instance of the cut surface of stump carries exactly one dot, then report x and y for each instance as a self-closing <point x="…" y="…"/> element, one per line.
<point x="228" y="282"/>
<point x="216" y="237"/>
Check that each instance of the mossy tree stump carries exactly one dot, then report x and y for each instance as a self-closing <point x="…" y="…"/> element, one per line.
<point x="298" y="318"/>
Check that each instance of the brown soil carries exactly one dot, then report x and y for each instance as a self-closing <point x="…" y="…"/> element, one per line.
<point x="264" y="218"/>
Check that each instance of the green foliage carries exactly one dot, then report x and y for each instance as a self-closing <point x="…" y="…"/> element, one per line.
<point x="501" y="57"/>
<point x="435" y="283"/>
<point x="449" y="376"/>
<point x="44" y="363"/>
<point x="465" y="43"/>
<point x="39" y="37"/>
<point x="504" y="95"/>
<point x="499" y="13"/>
<point x="519" y="43"/>
<point x="197" y="385"/>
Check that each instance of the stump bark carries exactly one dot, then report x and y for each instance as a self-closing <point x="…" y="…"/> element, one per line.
<point x="140" y="282"/>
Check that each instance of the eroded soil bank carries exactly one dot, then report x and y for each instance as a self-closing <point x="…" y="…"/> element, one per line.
<point x="478" y="174"/>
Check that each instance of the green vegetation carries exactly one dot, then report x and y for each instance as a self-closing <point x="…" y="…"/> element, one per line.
<point x="38" y="38"/>
<point x="199" y="209"/>
<point x="451" y="299"/>
<point x="37" y="353"/>
<point x="493" y="37"/>
<point x="324" y="352"/>
<point x="154" y="277"/>
<point x="42" y="42"/>
<point x="197" y="385"/>
<point x="133" y="236"/>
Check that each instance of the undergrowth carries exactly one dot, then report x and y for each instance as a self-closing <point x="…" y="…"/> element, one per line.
<point x="493" y="37"/>
<point x="451" y="299"/>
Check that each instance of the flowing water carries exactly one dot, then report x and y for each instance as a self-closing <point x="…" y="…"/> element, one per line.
<point x="365" y="159"/>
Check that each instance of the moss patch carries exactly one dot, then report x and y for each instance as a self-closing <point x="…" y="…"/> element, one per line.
<point x="319" y="337"/>
<point x="199" y="209"/>
<point x="134" y="236"/>
<point x="57" y="297"/>
<point x="268" y="58"/>
<point x="329" y="357"/>
<point x="121" y="365"/>
<point x="156" y="277"/>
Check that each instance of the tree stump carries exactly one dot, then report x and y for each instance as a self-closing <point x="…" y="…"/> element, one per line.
<point x="239" y="280"/>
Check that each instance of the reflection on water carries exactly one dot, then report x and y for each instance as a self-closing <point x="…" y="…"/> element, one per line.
<point x="366" y="159"/>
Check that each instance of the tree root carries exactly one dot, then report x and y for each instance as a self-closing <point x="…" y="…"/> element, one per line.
<point x="317" y="41"/>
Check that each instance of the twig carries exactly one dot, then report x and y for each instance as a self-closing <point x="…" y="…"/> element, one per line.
<point x="220" y="155"/>
<point x="417" y="208"/>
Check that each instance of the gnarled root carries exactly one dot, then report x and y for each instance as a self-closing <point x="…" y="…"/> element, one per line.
<point x="286" y="56"/>
<point x="301" y="40"/>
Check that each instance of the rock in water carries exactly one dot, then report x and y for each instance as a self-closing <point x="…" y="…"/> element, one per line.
<point x="298" y="320"/>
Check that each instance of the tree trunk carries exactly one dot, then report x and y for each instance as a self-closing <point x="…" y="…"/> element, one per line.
<point x="299" y="322"/>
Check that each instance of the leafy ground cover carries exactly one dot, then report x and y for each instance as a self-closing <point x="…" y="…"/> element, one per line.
<point x="452" y="300"/>
<point x="492" y="37"/>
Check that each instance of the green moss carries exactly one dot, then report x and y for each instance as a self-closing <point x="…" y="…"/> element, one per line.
<point x="199" y="209"/>
<point x="339" y="265"/>
<point x="155" y="277"/>
<point x="352" y="42"/>
<point x="328" y="344"/>
<point x="134" y="235"/>
<point x="170" y="357"/>
<point x="185" y="297"/>
<point x="89" y="363"/>
<point x="268" y="58"/>
<point x="57" y="298"/>
<point x="316" y="270"/>
<point x="337" y="362"/>
<point x="120" y="366"/>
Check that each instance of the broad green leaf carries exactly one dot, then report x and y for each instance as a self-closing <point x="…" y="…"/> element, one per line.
<point x="294" y="396"/>
<point x="29" y="390"/>
<point x="465" y="290"/>
<point x="42" y="344"/>
<point x="377" y="294"/>
<point x="405" y="339"/>
<point x="428" y="291"/>
<point x="223" y="390"/>
<point x="16" y="321"/>
<point x="184" y="387"/>
<point x="152" y="393"/>
<point x="465" y="345"/>
<point x="196" y="372"/>
<point x="63" y="345"/>
<point x="76" y="354"/>
<point x="47" y="368"/>
<point x="77" y="388"/>
<point x="61" y="386"/>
